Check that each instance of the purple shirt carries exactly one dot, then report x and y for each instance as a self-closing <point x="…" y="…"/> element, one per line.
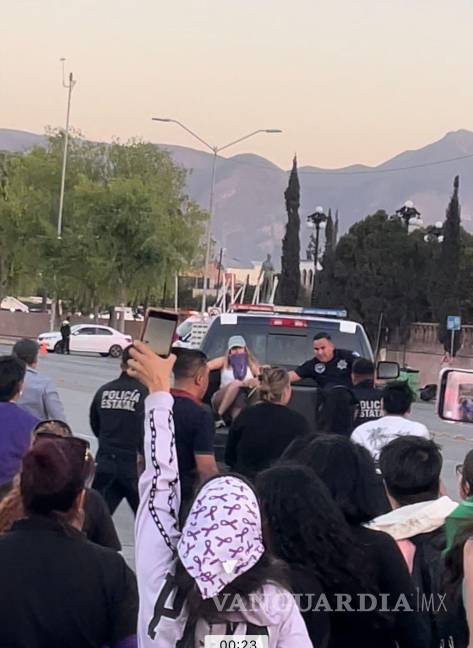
<point x="16" y="425"/>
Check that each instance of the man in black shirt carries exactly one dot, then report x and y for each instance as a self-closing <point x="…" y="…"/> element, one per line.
<point x="369" y="396"/>
<point x="193" y="422"/>
<point x="117" y="420"/>
<point x="330" y="366"/>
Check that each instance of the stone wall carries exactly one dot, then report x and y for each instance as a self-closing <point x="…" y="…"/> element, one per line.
<point x="424" y="352"/>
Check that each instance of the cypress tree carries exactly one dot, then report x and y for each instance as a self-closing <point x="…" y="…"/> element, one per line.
<point x="445" y="285"/>
<point x="290" y="280"/>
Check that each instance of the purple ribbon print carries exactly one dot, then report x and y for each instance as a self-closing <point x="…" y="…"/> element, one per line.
<point x="222" y="537"/>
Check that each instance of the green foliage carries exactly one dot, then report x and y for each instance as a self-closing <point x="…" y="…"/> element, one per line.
<point x="290" y="279"/>
<point x="127" y="222"/>
<point x="444" y="289"/>
<point x="376" y="268"/>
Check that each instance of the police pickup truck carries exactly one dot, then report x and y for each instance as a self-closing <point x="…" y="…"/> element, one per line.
<point x="282" y="336"/>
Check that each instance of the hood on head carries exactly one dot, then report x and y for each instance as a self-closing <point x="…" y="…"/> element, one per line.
<point x="222" y="537"/>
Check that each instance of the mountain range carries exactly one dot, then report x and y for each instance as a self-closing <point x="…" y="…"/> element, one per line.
<point x="250" y="212"/>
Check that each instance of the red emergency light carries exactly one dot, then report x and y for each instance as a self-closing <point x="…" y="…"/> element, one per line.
<point x="288" y="322"/>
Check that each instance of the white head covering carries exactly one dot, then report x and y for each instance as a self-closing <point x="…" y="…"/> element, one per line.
<point x="222" y="537"/>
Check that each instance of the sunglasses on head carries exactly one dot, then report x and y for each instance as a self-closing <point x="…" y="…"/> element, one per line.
<point x="52" y="423"/>
<point x="82" y="445"/>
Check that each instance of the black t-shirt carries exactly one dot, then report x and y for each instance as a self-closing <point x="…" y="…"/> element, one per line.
<point x="327" y="374"/>
<point x="117" y="419"/>
<point x="58" y="589"/>
<point x="259" y="436"/>
<point x="195" y="434"/>
<point x="98" y="523"/>
<point x="370" y="400"/>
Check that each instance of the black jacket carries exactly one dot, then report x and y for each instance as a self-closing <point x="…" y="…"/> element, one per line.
<point x="370" y="400"/>
<point x="447" y="615"/>
<point x="117" y="420"/>
<point x="58" y="589"/>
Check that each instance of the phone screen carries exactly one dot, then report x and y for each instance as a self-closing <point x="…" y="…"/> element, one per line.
<point x="159" y="330"/>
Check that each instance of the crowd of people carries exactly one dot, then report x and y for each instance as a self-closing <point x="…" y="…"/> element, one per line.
<point x="328" y="533"/>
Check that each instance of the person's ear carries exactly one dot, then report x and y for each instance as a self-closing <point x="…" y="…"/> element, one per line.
<point x="199" y="377"/>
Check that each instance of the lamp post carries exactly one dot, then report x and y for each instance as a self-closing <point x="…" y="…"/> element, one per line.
<point x="215" y="150"/>
<point x="408" y="213"/>
<point x="434" y="233"/>
<point x="317" y="220"/>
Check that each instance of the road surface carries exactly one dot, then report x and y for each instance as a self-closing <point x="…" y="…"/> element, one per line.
<point x="79" y="376"/>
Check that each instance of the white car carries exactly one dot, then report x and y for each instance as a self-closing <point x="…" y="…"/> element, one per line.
<point x="89" y="338"/>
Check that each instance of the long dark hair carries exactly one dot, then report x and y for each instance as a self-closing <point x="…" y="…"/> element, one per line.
<point x="467" y="474"/>
<point x="307" y="529"/>
<point x="349" y="472"/>
<point x="336" y="410"/>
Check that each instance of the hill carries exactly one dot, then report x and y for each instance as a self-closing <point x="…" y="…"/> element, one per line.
<point x="249" y="206"/>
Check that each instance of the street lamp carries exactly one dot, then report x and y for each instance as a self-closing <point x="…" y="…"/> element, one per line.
<point x="434" y="233"/>
<point x="317" y="220"/>
<point x="408" y="213"/>
<point x="215" y="150"/>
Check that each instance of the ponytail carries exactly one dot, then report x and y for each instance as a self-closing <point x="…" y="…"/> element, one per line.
<point x="272" y="383"/>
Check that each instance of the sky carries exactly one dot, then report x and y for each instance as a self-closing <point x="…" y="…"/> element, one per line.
<point x="347" y="81"/>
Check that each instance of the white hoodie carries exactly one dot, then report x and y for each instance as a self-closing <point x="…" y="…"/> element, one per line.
<point x="163" y="613"/>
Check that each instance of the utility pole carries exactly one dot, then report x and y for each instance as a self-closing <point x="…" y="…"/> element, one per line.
<point x="70" y="85"/>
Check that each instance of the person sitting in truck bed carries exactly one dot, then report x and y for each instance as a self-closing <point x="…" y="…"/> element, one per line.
<point x="238" y="368"/>
<point x="329" y="367"/>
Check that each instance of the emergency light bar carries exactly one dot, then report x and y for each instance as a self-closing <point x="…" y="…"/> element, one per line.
<point x="337" y="313"/>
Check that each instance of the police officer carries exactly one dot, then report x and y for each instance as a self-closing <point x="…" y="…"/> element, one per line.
<point x="330" y="366"/>
<point x="117" y="420"/>
<point x="369" y="396"/>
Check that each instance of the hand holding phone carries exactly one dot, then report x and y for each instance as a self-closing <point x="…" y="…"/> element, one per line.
<point x="158" y="331"/>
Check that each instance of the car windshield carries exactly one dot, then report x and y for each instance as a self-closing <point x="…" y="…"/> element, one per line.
<point x="283" y="346"/>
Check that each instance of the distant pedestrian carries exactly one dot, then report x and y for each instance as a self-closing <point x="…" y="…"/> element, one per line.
<point x="117" y="420"/>
<point x="39" y="395"/>
<point x="66" y="335"/>
<point x="16" y="424"/>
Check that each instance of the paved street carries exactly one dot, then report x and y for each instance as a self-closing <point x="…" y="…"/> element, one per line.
<point x="78" y="377"/>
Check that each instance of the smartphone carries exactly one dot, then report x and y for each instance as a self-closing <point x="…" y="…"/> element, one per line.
<point x="159" y="330"/>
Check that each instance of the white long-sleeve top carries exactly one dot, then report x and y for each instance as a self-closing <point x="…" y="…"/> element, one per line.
<point x="163" y="614"/>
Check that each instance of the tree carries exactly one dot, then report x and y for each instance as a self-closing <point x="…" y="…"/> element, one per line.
<point x="376" y="268"/>
<point x="290" y="280"/>
<point x="444" y="290"/>
<point x="335" y="230"/>
<point x="127" y="222"/>
<point x="19" y="227"/>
